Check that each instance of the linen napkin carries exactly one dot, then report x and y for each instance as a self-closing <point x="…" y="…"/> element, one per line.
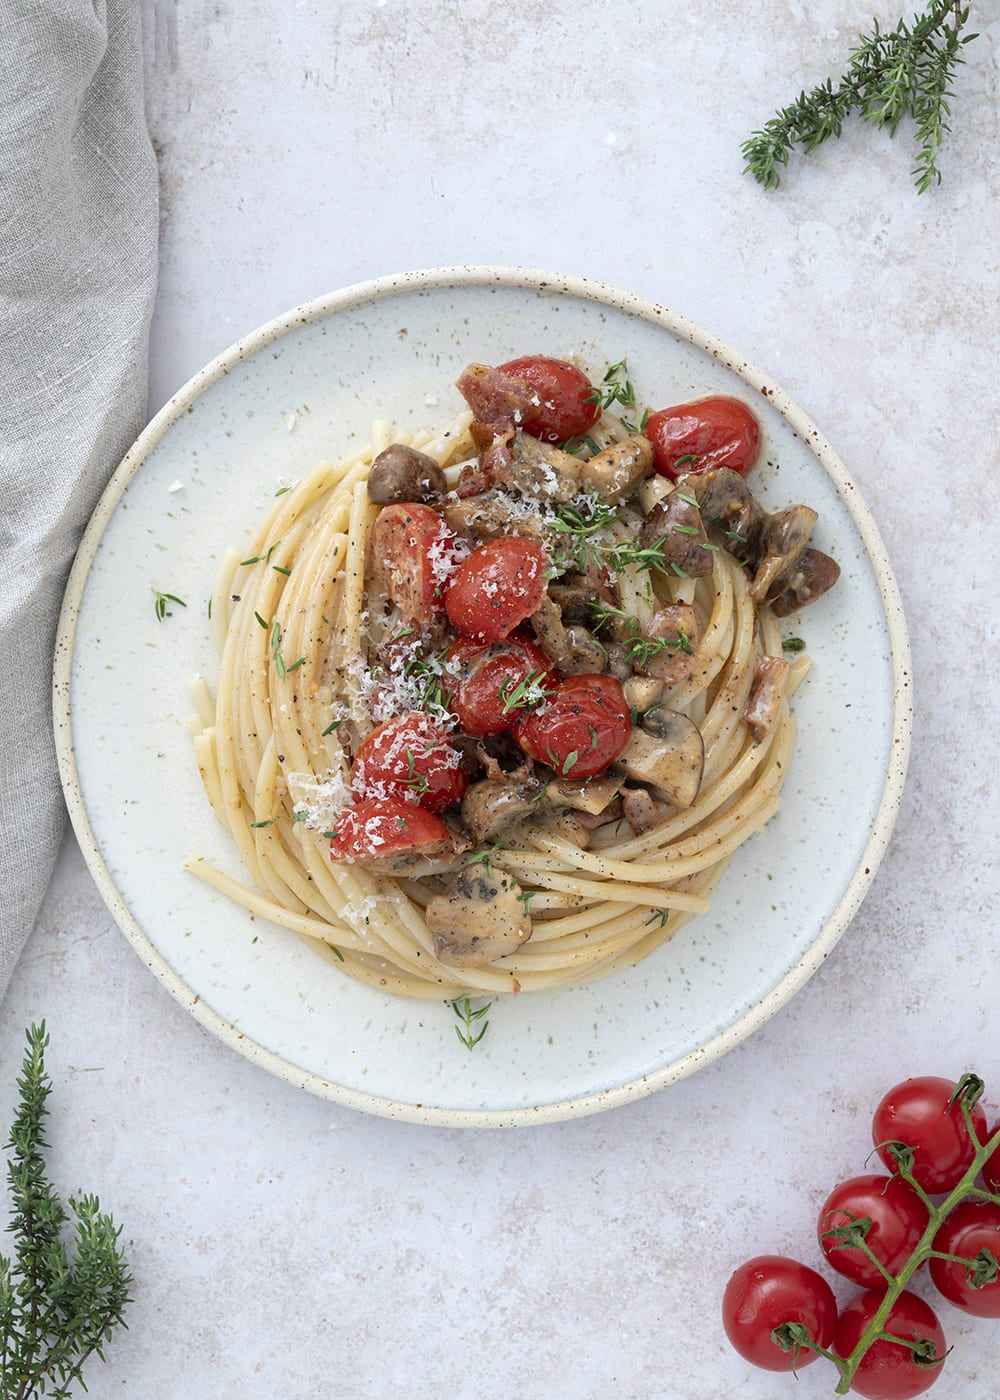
<point x="78" y="257"/>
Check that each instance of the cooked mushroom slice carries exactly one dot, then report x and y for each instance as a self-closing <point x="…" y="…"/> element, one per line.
<point x="564" y="823"/>
<point x="672" y="637"/>
<point x="655" y="488"/>
<point x="639" y="810"/>
<point x="784" y="539"/>
<point x="481" y="918"/>
<point x="676" y="529"/>
<point x="642" y="691"/>
<point x="616" y="471"/>
<point x="490" y="806"/>
<point x="590" y="795"/>
<point x="667" y="754"/>
<point x="727" y="503"/>
<point x="812" y="576"/>
<point x="541" y="470"/>
<point x="767" y="690"/>
<point x="401" y="473"/>
<point x="573" y="650"/>
<point x="487" y="516"/>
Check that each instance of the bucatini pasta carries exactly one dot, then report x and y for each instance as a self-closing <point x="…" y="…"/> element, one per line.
<point x="497" y="703"/>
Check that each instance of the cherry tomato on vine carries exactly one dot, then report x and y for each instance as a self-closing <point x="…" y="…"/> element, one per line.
<point x="991" y="1171"/>
<point x="387" y="829"/>
<point x="898" y="1219"/>
<point x="412" y="555"/>
<point x="699" y="436"/>
<point x="916" y="1113"/>
<point x="583" y="727"/>
<point x="888" y="1370"/>
<point x="566" y="400"/>
<point x="771" y="1290"/>
<point x="409" y="758"/>
<point x="495" y="587"/>
<point x="495" y="683"/>
<point x="970" y="1227"/>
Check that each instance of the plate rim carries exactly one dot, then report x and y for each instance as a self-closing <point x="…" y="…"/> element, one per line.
<point x="538" y="281"/>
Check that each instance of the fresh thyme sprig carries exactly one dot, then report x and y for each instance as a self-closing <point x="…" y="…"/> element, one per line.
<point x="890" y="74"/>
<point x="462" y="1007"/>
<point x="161" y="601"/>
<point x="55" y="1312"/>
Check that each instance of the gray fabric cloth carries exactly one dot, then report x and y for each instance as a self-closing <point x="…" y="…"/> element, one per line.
<point x="78" y="256"/>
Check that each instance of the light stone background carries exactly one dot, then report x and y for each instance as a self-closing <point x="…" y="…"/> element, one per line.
<point x="284" y="1247"/>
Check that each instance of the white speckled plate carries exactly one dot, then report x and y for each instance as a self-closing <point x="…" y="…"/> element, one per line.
<point x="307" y="386"/>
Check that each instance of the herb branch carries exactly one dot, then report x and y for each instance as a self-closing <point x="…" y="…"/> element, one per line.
<point x="55" y="1311"/>
<point x="161" y="601"/>
<point x="466" y="1030"/>
<point x="889" y="74"/>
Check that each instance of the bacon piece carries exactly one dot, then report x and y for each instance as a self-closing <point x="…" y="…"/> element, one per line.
<point x="497" y="399"/>
<point x="767" y="691"/>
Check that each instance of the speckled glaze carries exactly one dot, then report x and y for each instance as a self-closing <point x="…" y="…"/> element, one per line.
<point x="307" y="385"/>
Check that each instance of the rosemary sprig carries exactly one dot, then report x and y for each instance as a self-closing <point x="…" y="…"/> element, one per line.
<point x="889" y="75"/>
<point x="55" y="1312"/>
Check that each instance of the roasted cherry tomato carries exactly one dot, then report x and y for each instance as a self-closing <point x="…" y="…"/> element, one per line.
<point x="492" y="685"/>
<point x="898" y="1219"/>
<point x="916" y="1113"/>
<point x="768" y="1291"/>
<point x="970" y="1227"/>
<point x="582" y="728"/>
<point x="889" y="1370"/>
<point x="564" y="403"/>
<point x="495" y="587"/>
<point x="375" y="830"/>
<point x="708" y="433"/>
<point x="409" y="758"/>
<point x="412" y="555"/>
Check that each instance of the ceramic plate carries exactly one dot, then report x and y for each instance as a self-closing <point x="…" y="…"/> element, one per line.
<point x="307" y="386"/>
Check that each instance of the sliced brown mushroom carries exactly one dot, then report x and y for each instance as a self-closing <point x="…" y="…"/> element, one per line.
<point x="564" y="823"/>
<point x="672" y="632"/>
<point x="401" y="473"/>
<point x="491" y="806"/>
<point x="811" y="577"/>
<point x="639" y="810"/>
<point x="728" y="505"/>
<point x="615" y="472"/>
<point x="488" y="515"/>
<point x="572" y="650"/>
<point x="783" y="542"/>
<point x="591" y="795"/>
<point x="666" y="754"/>
<point x="642" y="691"/>
<point x="767" y="690"/>
<point x="675" y="526"/>
<point x="540" y="470"/>
<point x="480" y="918"/>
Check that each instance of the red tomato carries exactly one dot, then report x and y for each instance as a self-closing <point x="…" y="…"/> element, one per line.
<point x="564" y="402"/>
<point x="991" y="1171"/>
<point x="412" y="555"/>
<point x="708" y="433"/>
<point x="484" y="695"/>
<point x="497" y="586"/>
<point x="916" y="1113"/>
<point x="888" y="1371"/>
<point x="582" y="729"/>
<point x="768" y="1291"/>
<point x="376" y="830"/>
<point x="970" y="1227"/>
<point x="409" y="758"/>
<point x="899" y="1218"/>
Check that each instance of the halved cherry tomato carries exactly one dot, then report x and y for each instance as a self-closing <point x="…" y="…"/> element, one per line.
<point x="412" y="555"/>
<point x="409" y="758"/>
<point x="916" y="1113"/>
<point x="491" y="683"/>
<point x="696" y="437"/>
<point x="888" y="1370"/>
<point x="563" y="401"/>
<point x="376" y="830"/>
<point x="495" y="587"/>
<point x="969" y="1228"/>
<point x="582" y="728"/>
<point x="767" y="1292"/>
<point x="898" y="1219"/>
